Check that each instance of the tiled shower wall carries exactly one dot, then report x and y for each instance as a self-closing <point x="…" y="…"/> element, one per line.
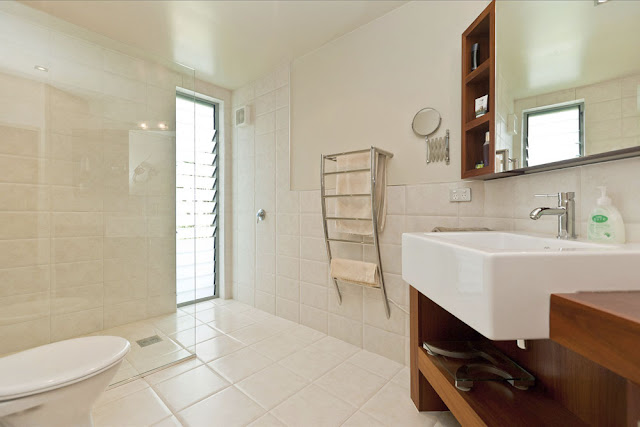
<point x="84" y="246"/>
<point x="280" y="265"/>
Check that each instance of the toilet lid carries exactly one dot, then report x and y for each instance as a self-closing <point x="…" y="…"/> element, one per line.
<point x="61" y="363"/>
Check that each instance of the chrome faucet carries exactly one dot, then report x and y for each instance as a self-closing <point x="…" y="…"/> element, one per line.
<point x="566" y="212"/>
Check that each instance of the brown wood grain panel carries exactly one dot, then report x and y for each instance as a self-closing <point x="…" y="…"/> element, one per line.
<point x="422" y="393"/>
<point x="496" y="404"/>
<point x="475" y="84"/>
<point x="590" y="391"/>
<point x="633" y="404"/>
<point x="464" y="413"/>
<point x="601" y="326"/>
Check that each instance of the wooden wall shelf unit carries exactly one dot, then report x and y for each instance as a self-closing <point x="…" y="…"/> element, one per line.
<point x="570" y="390"/>
<point x="475" y="84"/>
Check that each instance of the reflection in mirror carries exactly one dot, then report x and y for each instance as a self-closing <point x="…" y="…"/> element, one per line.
<point x="568" y="80"/>
<point x="426" y="121"/>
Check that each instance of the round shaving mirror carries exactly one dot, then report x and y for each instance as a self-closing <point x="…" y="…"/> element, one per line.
<point x="426" y="121"/>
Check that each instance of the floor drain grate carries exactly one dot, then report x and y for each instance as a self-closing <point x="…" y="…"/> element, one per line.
<point x="149" y="340"/>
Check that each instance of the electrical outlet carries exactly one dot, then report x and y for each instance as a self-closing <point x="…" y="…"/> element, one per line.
<point x="460" y="195"/>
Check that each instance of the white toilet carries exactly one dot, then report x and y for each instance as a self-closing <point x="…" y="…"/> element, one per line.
<point x="57" y="384"/>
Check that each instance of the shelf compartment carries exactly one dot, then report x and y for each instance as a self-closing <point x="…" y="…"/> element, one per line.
<point x="491" y="403"/>
<point x="480" y="74"/>
<point x="478" y="122"/>
<point x="476" y="84"/>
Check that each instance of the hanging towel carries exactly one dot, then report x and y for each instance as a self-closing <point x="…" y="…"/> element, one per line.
<point x="360" y="183"/>
<point x="360" y="272"/>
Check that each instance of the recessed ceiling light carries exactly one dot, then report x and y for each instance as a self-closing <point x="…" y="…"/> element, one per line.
<point x="599" y="2"/>
<point x="143" y="126"/>
<point x="41" y="68"/>
<point x="162" y="126"/>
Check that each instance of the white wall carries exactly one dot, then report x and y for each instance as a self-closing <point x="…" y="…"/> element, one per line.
<point x="364" y="88"/>
<point x="280" y="265"/>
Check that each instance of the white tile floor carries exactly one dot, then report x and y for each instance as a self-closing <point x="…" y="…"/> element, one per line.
<point x="261" y="370"/>
<point x="178" y="331"/>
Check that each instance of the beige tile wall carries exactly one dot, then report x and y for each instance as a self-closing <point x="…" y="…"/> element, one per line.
<point x="280" y="264"/>
<point x="83" y="247"/>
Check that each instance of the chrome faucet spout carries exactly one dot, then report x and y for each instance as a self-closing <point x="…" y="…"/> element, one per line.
<point x="565" y="211"/>
<point x="537" y="213"/>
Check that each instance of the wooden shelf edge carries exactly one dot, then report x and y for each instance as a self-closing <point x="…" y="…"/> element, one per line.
<point x="475" y="123"/>
<point x="458" y="406"/>
<point x="490" y="403"/>
<point x="488" y="175"/>
<point x="604" y="327"/>
<point x="474" y="173"/>
<point x="479" y="72"/>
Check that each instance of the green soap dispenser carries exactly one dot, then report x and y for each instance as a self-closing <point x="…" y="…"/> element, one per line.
<point x="605" y="222"/>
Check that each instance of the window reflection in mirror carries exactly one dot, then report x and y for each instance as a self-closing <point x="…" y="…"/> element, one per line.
<point x="554" y="133"/>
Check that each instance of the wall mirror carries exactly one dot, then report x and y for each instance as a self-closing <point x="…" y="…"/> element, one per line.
<point x="567" y="83"/>
<point x="426" y="121"/>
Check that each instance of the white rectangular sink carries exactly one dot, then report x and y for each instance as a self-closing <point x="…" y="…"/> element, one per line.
<point x="500" y="283"/>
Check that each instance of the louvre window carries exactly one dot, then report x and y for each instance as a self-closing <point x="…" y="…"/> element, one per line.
<point x="196" y="199"/>
<point x="553" y="133"/>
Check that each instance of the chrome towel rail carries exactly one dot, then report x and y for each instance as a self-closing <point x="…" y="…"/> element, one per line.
<point x="347" y="171"/>
<point x="374" y="157"/>
<point x="360" y="242"/>
<point x="326" y="196"/>
<point x="346" y="218"/>
<point x="378" y="150"/>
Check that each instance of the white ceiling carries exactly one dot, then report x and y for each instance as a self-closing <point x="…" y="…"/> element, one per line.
<point x="546" y="46"/>
<point x="229" y="43"/>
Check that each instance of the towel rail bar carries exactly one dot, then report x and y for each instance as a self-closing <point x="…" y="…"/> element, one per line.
<point x="355" y="283"/>
<point x="350" y="241"/>
<point x="373" y="168"/>
<point x="326" y="196"/>
<point x="346" y="218"/>
<point x="347" y="171"/>
<point x="366" y="150"/>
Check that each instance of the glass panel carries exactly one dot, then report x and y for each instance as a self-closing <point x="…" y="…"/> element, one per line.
<point x="87" y="199"/>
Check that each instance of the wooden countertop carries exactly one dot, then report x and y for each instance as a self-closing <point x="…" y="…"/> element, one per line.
<point x="601" y="326"/>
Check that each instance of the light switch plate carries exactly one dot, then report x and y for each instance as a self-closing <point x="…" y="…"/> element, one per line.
<point x="460" y="195"/>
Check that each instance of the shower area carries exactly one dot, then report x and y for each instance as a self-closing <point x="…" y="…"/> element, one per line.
<point x="103" y="228"/>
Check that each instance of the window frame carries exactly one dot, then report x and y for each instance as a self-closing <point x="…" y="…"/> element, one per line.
<point x="198" y="98"/>
<point x="552" y="109"/>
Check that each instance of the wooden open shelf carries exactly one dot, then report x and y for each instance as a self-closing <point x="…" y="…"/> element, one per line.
<point x="481" y="122"/>
<point x="495" y="404"/>
<point x="570" y="388"/>
<point x="480" y="74"/>
<point x="477" y="83"/>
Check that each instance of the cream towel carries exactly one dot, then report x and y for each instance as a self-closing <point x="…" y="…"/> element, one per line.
<point x="360" y="183"/>
<point x="360" y="272"/>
